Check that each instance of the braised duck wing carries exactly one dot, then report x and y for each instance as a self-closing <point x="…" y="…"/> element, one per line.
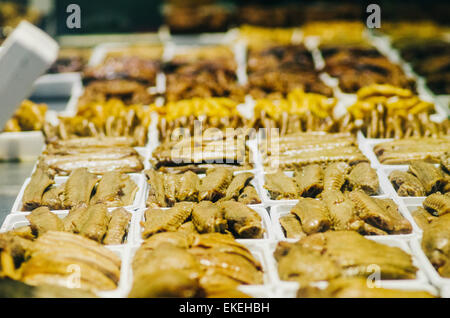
<point x="281" y="186"/>
<point x="438" y="204"/>
<point x="334" y="176"/>
<point x="118" y="227"/>
<point x="292" y="227"/>
<point x="74" y="193"/>
<point x="215" y="184"/>
<point x="364" y="177"/>
<point x="42" y="220"/>
<point x="208" y="218"/>
<point x="406" y="184"/>
<point x="243" y="221"/>
<point x="313" y="215"/>
<point x="238" y="183"/>
<point x="97" y="222"/>
<point x="436" y="243"/>
<point x="340" y="209"/>
<point x="40" y="181"/>
<point x="249" y="196"/>
<point x="431" y="177"/>
<point x="156" y="192"/>
<point x="309" y="180"/>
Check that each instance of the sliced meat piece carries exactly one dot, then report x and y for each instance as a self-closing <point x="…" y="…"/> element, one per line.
<point x="364" y="177"/>
<point x="309" y="180"/>
<point x="208" y="217"/>
<point x="334" y="176"/>
<point x="79" y="187"/>
<point x="292" y="227"/>
<point x="118" y="227"/>
<point x="97" y="222"/>
<point x="113" y="188"/>
<point x="42" y="220"/>
<point x="437" y="204"/>
<point x="406" y="184"/>
<point x="430" y="176"/>
<point x="76" y="218"/>
<point x="188" y="187"/>
<point x="280" y="186"/>
<point x="242" y="221"/>
<point x="215" y="184"/>
<point x="340" y="209"/>
<point x="382" y="214"/>
<point x="53" y="198"/>
<point x="40" y="181"/>
<point x="156" y="194"/>
<point x="423" y="217"/>
<point x="158" y="220"/>
<point x="249" y="196"/>
<point x="313" y="215"/>
<point x="171" y="185"/>
<point x="239" y="182"/>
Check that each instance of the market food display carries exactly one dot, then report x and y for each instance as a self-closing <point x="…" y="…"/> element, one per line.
<point x="298" y="154"/>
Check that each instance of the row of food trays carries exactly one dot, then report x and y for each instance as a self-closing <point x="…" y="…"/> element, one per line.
<point x="306" y="210"/>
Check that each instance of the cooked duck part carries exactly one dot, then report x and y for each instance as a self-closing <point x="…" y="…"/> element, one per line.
<point x="430" y="176"/>
<point x="42" y="220"/>
<point x="224" y="243"/>
<point x="15" y="289"/>
<point x="95" y="152"/>
<point x="437" y="204"/>
<point x="309" y="180"/>
<point x="293" y="161"/>
<point x="76" y="218"/>
<point x="423" y="217"/>
<point x="406" y="184"/>
<point x="53" y="269"/>
<point x="208" y="218"/>
<point x="97" y="222"/>
<point x="118" y="227"/>
<point x="115" y="189"/>
<point x="215" y="184"/>
<point x="53" y="252"/>
<point x="94" y="142"/>
<point x="231" y="265"/>
<point x="24" y="232"/>
<point x="292" y="227"/>
<point x="334" y="176"/>
<point x="15" y="245"/>
<point x="242" y="220"/>
<point x="86" y="249"/>
<point x="156" y="194"/>
<point x="304" y="265"/>
<point x="171" y="184"/>
<point x="405" y="151"/>
<point x="281" y="186"/>
<point x="249" y="196"/>
<point x="64" y="165"/>
<point x="353" y="254"/>
<point x="165" y="284"/>
<point x="436" y="243"/>
<point x="187" y="190"/>
<point x="166" y="257"/>
<point x="157" y="220"/>
<point x="188" y="228"/>
<point x="445" y="162"/>
<point x="53" y="198"/>
<point x="216" y="283"/>
<point x="40" y="181"/>
<point x="382" y="214"/>
<point x="78" y="188"/>
<point x="365" y="178"/>
<point x="179" y="239"/>
<point x="340" y="209"/>
<point x="238" y="183"/>
<point x="357" y="288"/>
<point x="364" y="228"/>
<point x="313" y="215"/>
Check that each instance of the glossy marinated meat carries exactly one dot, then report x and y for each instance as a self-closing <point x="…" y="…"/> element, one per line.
<point x="115" y="189"/>
<point x="281" y="186"/>
<point x="188" y="187"/>
<point x="96" y="223"/>
<point x="358" y="288"/>
<point x="423" y="217"/>
<point x="157" y="220"/>
<point x="156" y="192"/>
<point x="380" y="213"/>
<point x="118" y="227"/>
<point x="406" y="184"/>
<point x="243" y="221"/>
<point x="292" y="227"/>
<point x="53" y="198"/>
<point x="249" y="196"/>
<point x="334" y="176"/>
<point x="40" y="181"/>
<point x="430" y="176"/>
<point x="76" y="218"/>
<point x="436" y="244"/>
<point x="313" y="215"/>
<point x="208" y="217"/>
<point x="79" y="187"/>
<point x="309" y="180"/>
<point x="238" y="183"/>
<point x="340" y="209"/>
<point x="437" y="204"/>
<point x="445" y="162"/>
<point x="42" y="220"/>
<point x="365" y="178"/>
<point x="214" y="185"/>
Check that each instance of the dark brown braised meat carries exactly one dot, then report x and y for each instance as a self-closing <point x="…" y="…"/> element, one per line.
<point x="431" y="177"/>
<point x="329" y="255"/>
<point x="359" y="67"/>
